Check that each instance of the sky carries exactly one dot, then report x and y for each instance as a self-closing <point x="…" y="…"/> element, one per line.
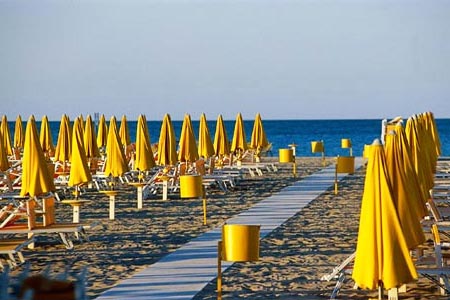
<point x="304" y="59"/>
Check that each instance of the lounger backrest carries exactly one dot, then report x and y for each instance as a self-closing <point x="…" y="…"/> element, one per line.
<point x="431" y="205"/>
<point x="48" y="206"/>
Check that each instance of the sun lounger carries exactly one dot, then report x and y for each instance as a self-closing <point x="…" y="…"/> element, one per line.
<point x="10" y="249"/>
<point x="48" y="225"/>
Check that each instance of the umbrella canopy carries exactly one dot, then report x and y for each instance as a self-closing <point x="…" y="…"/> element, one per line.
<point x="221" y="143"/>
<point x="259" y="138"/>
<point x="4" y="164"/>
<point x="45" y="138"/>
<point x="63" y="147"/>
<point x="18" y="133"/>
<point x="144" y="154"/>
<point x="90" y="143"/>
<point x="205" y="145"/>
<point x="124" y="133"/>
<point x="239" y="143"/>
<point x="116" y="164"/>
<point x="167" y="153"/>
<point x="434" y="132"/>
<point x="409" y="205"/>
<point x="382" y="254"/>
<point x="187" y="151"/>
<point x="6" y="135"/>
<point x="102" y="133"/>
<point x="79" y="170"/>
<point x="36" y="177"/>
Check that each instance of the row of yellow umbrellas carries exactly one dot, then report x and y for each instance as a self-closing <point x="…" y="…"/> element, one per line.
<point x="393" y="203"/>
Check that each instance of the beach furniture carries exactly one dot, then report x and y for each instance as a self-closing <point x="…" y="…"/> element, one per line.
<point x="48" y="225"/>
<point x="11" y="252"/>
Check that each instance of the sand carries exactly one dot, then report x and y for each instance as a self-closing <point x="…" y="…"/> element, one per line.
<point x="293" y="257"/>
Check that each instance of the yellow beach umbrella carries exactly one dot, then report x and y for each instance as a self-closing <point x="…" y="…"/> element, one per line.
<point x="167" y="153"/>
<point x="239" y="143"/>
<point x="45" y="138"/>
<point x="205" y="145"/>
<point x="221" y="143"/>
<point x="259" y="138"/>
<point x="418" y="158"/>
<point x="433" y="128"/>
<point x="79" y="170"/>
<point x="144" y="154"/>
<point x="36" y="177"/>
<point x="18" y="133"/>
<point x="410" y="174"/>
<point x="116" y="164"/>
<point x="4" y="164"/>
<point x="63" y="147"/>
<point x="90" y="143"/>
<point x="102" y="132"/>
<point x="6" y="135"/>
<point x="187" y="151"/>
<point x="124" y="132"/>
<point x="382" y="254"/>
<point x="409" y="205"/>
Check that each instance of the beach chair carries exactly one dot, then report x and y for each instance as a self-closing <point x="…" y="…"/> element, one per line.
<point x="11" y="252"/>
<point x="10" y="213"/>
<point x="32" y="228"/>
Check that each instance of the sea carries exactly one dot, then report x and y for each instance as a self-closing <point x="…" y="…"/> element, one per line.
<point x="282" y="133"/>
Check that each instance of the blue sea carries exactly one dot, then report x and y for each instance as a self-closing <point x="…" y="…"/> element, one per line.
<point x="281" y="133"/>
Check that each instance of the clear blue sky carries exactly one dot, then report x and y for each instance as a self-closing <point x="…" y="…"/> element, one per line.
<point x="304" y="59"/>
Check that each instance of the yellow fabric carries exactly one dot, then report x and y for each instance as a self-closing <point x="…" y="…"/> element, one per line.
<point x="116" y="163"/>
<point x="4" y="164"/>
<point x="205" y="145"/>
<point x="410" y="174"/>
<point x="79" y="169"/>
<point x="6" y="135"/>
<point x="187" y="150"/>
<point x="36" y="178"/>
<point x="45" y="137"/>
<point x="124" y="133"/>
<point x="221" y="143"/>
<point x="434" y="131"/>
<point x="63" y="147"/>
<point x="381" y="252"/>
<point x="408" y="205"/>
<point x="167" y="152"/>
<point x="102" y="133"/>
<point x="18" y="133"/>
<point x="239" y="142"/>
<point x="144" y="155"/>
<point x="90" y="143"/>
<point x="259" y="138"/>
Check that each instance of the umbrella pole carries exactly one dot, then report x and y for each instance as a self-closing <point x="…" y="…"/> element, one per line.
<point x="380" y="290"/>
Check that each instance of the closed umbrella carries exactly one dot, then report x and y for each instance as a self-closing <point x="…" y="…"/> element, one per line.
<point x="4" y="163"/>
<point x="239" y="143"/>
<point x="408" y="205"/>
<point x="79" y="170"/>
<point x="259" y="138"/>
<point x="102" y="133"/>
<point x="144" y="154"/>
<point x="205" y="145"/>
<point x="116" y="164"/>
<point x="45" y="138"/>
<point x="36" y="177"/>
<point x="6" y="135"/>
<point x="221" y="142"/>
<point x="382" y="255"/>
<point x="187" y="151"/>
<point x="124" y="132"/>
<point x="90" y="143"/>
<point x="63" y="147"/>
<point x="167" y="153"/>
<point x="18" y="133"/>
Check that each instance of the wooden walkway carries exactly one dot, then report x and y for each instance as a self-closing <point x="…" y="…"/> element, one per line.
<point x="185" y="272"/>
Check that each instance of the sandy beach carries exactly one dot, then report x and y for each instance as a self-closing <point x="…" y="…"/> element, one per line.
<point x="293" y="257"/>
